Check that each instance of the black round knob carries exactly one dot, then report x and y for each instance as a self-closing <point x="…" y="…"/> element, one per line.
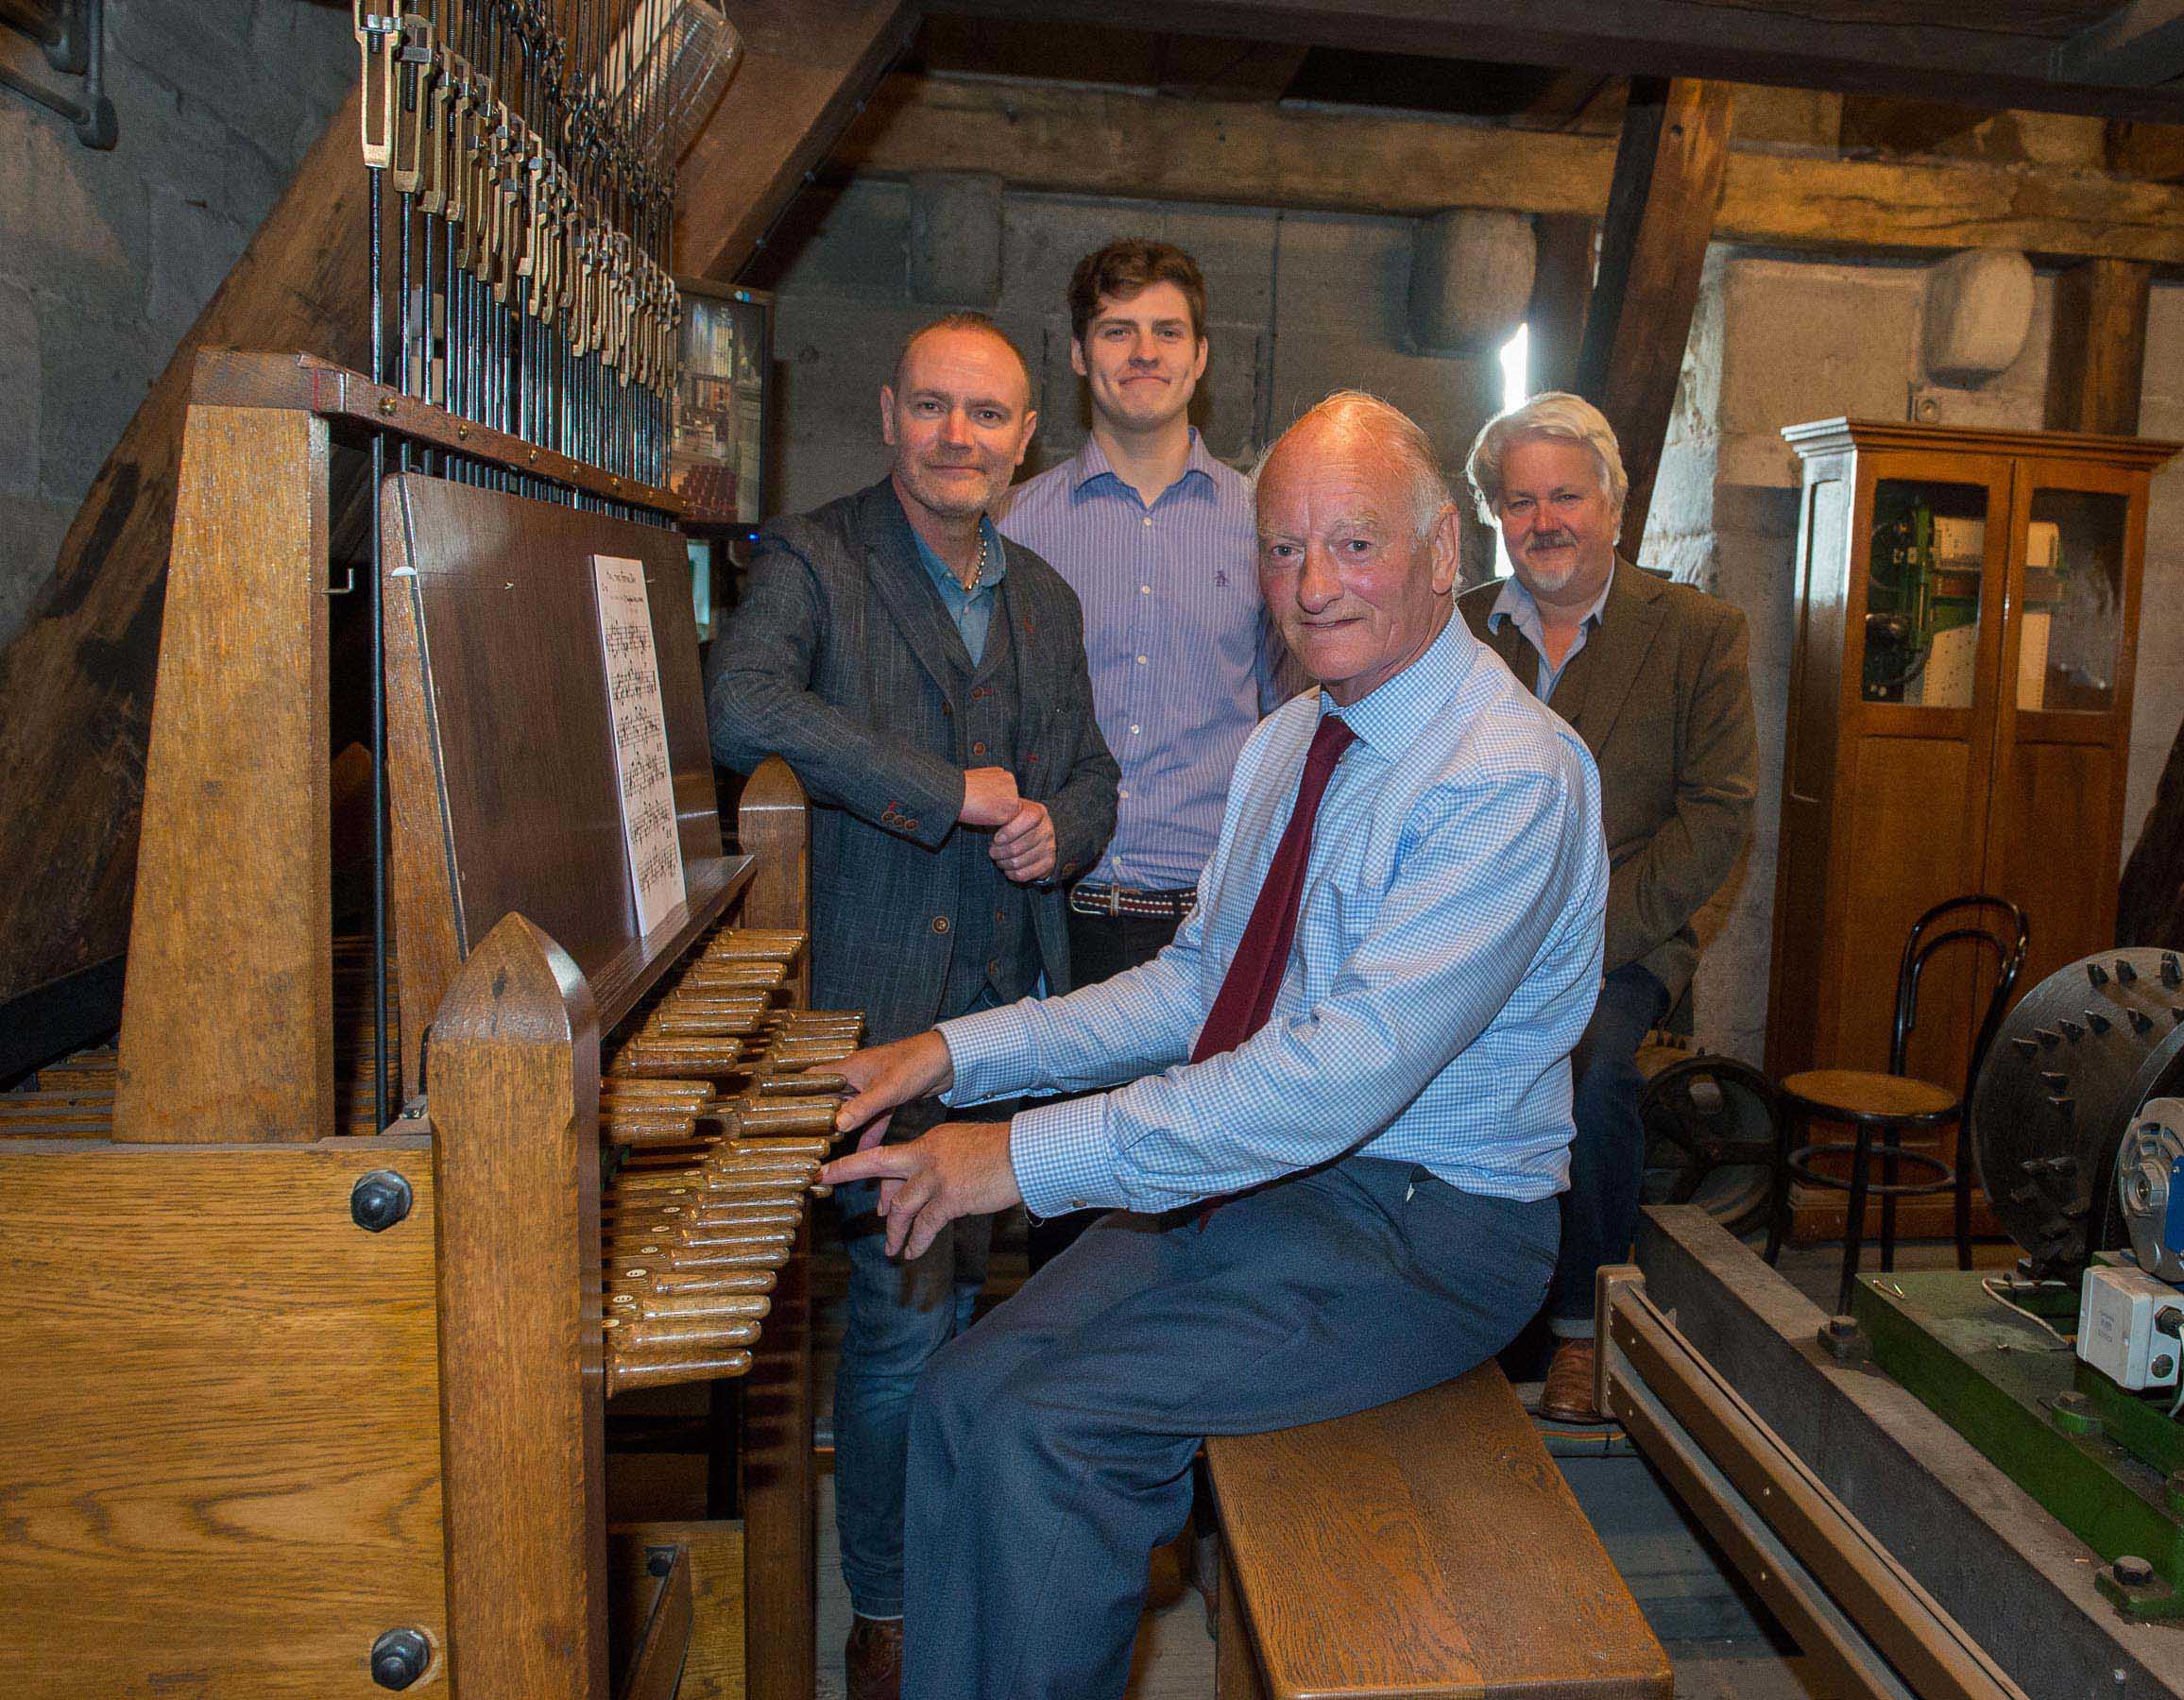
<point x="400" y="1657"/>
<point x="377" y="1202"/>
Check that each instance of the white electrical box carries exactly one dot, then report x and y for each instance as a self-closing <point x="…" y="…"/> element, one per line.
<point x="2117" y="1312"/>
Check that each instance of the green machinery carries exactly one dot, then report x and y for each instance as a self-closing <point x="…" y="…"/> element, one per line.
<point x="2068" y="1372"/>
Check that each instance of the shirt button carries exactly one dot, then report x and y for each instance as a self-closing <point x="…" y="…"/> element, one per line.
<point x="994" y="968"/>
<point x="1000" y="915"/>
<point x="1134" y="731"/>
<point x="978" y="749"/>
<point x="1145" y="589"/>
<point x="1141" y="660"/>
<point x="1120" y="792"/>
<point x="940" y="924"/>
<point x="1148" y="519"/>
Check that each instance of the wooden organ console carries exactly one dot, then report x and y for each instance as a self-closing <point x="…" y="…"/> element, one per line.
<point x="320" y="1282"/>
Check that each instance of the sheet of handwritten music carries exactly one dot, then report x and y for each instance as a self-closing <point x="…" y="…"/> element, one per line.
<point x="648" y="822"/>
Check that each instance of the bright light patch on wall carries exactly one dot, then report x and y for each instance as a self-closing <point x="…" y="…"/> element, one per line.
<point x="1516" y="389"/>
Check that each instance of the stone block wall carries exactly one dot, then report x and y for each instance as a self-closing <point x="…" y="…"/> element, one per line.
<point x="106" y="258"/>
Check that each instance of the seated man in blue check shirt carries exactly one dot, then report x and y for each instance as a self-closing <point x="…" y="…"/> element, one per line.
<point x="1156" y="537"/>
<point x="1385" y="1151"/>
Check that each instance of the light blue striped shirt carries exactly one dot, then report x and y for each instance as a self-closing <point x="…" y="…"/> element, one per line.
<point x="1447" y="956"/>
<point x="1518" y="604"/>
<point x="971" y="606"/>
<point x="1183" y="655"/>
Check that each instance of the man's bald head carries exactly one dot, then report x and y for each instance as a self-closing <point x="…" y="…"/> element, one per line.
<point x="1353" y="421"/>
<point x="1358" y="542"/>
<point x="975" y="322"/>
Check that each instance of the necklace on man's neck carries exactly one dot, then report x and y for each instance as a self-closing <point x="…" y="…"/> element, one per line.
<point x="978" y="572"/>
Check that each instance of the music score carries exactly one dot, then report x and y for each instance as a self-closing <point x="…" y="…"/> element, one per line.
<point x="645" y="776"/>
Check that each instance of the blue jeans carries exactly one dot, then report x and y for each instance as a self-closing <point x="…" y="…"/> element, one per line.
<point x="1051" y="1447"/>
<point x="1608" y="1160"/>
<point x="899" y="1316"/>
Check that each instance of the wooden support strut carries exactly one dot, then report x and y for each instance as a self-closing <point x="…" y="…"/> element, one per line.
<point x="1660" y="207"/>
<point x="515" y="1096"/>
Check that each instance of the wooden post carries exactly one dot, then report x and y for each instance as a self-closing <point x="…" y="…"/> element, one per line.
<point x="1660" y="207"/>
<point x="515" y="1111"/>
<point x="780" y="1489"/>
<point x="2097" y="355"/>
<point x="228" y="1028"/>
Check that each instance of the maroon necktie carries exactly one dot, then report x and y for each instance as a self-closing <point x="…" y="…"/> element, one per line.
<point x="1254" y="973"/>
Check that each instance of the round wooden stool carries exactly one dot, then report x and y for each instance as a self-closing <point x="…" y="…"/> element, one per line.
<point x="1885" y="1105"/>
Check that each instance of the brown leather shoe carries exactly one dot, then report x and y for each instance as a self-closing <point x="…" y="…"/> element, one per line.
<point x="872" y="1662"/>
<point x="1568" y="1394"/>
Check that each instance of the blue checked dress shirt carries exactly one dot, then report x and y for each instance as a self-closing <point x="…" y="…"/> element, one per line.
<point x="1516" y="602"/>
<point x="972" y="610"/>
<point x="1183" y="659"/>
<point x="1447" y="958"/>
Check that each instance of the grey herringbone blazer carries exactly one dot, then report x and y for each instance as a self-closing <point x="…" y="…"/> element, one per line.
<point x="838" y="660"/>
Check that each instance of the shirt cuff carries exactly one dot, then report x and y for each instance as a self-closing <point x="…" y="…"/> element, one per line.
<point x="988" y="1049"/>
<point x="1060" y="1153"/>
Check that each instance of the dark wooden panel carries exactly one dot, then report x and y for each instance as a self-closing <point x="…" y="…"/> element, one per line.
<point x="227" y="1020"/>
<point x="502" y="747"/>
<point x="220" y="1443"/>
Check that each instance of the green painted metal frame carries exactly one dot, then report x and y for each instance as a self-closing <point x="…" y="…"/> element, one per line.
<point x="2098" y="1458"/>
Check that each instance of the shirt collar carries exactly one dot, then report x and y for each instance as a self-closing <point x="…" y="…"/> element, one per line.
<point x="1091" y="461"/>
<point x="1518" y="604"/>
<point x="944" y="576"/>
<point x="1389" y="716"/>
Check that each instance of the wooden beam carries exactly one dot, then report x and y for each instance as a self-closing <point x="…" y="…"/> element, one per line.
<point x="1565" y="245"/>
<point x="808" y="67"/>
<point x="1999" y="54"/>
<point x="2097" y="355"/>
<point x="2140" y="44"/>
<point x="1068" y="139"/>
<point x="1668" y="176"/>
<point x="75" y="685"/>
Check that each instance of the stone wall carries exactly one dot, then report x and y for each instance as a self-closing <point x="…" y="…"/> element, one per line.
<point x="1298" y="304"/>
<point x="106" y="258"/>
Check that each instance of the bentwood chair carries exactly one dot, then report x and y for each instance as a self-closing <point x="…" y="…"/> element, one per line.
<point x="1889" y="1105"/>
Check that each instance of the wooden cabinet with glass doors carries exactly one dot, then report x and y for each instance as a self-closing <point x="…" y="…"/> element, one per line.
<point x="1959" y="721"/>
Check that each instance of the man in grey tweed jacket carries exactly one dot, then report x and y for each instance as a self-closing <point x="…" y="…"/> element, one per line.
<point x="926" y="678"/>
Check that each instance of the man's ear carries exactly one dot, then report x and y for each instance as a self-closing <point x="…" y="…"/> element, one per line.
<point x="887" y="415"/>
<point x="1446" y="541"/>
<point x="1030" y="426"/>
<point x="1077" y="358"/>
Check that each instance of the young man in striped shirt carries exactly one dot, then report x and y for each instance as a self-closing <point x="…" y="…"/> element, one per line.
<point x="1157" y="539"/>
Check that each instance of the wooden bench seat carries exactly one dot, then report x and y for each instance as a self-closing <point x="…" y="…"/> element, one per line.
<point x="1429" y="1548"/>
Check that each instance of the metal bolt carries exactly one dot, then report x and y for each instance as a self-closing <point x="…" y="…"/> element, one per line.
<point x="399" y="1657"/>
<point x="386" y="405"/>
<point x="2134" y="1571"/>
<point x="377" y="1202"/>
<point x="2162" y="1364"/>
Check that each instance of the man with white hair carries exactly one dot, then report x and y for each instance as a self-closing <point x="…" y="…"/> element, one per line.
<point x="1653" y="674"/>
<point x="1341" y="1104"/>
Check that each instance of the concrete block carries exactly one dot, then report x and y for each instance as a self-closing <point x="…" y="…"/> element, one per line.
<point x="1471" y="278"/>
<point x="19" y="407"/>
<point x="1449" y="399"/>
<point x="92" y="374"/>
<point x="30" y="535"/>
<point x="193" y="251"/>
<point x="955" y="238"/>
<point x="1344" y="275"/>
<point x="1979" y="308"/>
<point x="1805" y="341"/>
